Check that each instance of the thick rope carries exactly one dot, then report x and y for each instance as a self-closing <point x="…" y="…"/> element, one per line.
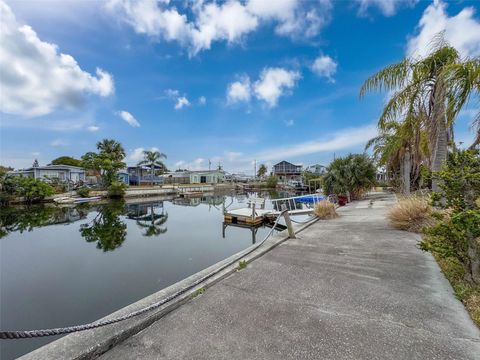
<point x="7" y="335"/>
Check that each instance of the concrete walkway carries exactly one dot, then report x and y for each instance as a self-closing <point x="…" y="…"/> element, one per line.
<point x="350" y="288"/>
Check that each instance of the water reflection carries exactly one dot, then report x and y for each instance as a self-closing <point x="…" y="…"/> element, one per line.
<point x="107" y="228"/>
<point x="148" y="217"/>
<point x="26" y="218"/>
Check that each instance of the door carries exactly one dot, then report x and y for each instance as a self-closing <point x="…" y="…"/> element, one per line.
<point x="203" y="179"/>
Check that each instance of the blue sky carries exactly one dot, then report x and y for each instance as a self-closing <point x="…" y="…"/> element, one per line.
<point x="226" y="82"/>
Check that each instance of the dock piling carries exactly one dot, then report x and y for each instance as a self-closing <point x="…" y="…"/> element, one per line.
<point x="288" y="222"/>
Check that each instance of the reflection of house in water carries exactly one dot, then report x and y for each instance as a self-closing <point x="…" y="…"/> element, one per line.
<point x="195" y="201"/>
<point x="149" y="216"/>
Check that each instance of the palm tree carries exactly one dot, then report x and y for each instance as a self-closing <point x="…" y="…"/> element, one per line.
<point x="438" y="85"/>
<point x="152" y="159"/>
<point x="262" y="171"/>
<point x="111" y="149"/>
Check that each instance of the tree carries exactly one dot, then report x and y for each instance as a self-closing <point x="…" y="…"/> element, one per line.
<point x="109" y="160"/>
<point x="457" y="235"/>
<point x="32" y="190"/>
<point x="152" y="159"/>
<point x="262" y="171"/>
<point x="401" y="147"/>
<point x="107" y="229"/>
<point x="35" y="163"/>
<point x="437" y="85"/>
<point x="67" y="160"/>
<point x="354" y="173"/>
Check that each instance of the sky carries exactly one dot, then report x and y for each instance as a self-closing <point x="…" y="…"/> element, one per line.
<point x="210" y="82"/>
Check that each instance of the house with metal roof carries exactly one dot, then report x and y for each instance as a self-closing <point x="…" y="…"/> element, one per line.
<point x="69" y="173"/>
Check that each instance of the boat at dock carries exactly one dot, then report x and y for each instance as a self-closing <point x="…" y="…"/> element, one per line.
<point x="74" y="200"/>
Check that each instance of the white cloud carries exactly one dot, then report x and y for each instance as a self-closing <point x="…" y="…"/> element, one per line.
<point x="36" y="78"/>
<point x="93" y="128"/>
<point x="239" y="91"/>
<point x="325" y="66"/>
<point x="228" y="21"/>
<point x="136" y="154"/>
<point x="289" y="122"/>
<point x="387" y="7"/>
<point x="128" y="118"/>
<point x="274" y="83"/>
<point x="202" y="100"/>
<point x="462" y="31"/>
<point x="36" y="153"/>
<point x="344" y="139"/>
<point x="197" y="164"/>
<point x="182" y="101"/>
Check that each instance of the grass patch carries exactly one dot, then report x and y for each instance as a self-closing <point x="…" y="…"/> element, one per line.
<point x="468" y="294"/>
<point x="412" y="214"/>
<point x="325" y="210"/>
<point x="198" y="292"/>
<point x="242" y="264"/>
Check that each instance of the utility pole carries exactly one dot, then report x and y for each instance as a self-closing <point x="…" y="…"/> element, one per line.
<point x="255" y="170"/>
<point x="209" y="165"/>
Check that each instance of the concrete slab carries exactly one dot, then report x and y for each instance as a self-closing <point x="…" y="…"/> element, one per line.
<point x="350" y="288"/>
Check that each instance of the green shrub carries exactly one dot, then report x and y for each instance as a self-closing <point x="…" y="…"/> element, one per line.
<point x="32" y="190"/>
<point x="354" y="173"/>
<point x="457" y="235"/>
<point x="84" y="191"/>
<point x="116" y="189"/>
<point x="272" y="181"/>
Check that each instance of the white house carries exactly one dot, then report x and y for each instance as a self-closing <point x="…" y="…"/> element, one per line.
<point x="74" y="174"/>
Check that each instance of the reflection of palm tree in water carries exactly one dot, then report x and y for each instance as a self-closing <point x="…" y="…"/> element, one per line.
<point x="146" y="218"/>
<point x="106" y="229"/>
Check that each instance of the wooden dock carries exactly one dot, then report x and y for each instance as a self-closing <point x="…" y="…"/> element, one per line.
<point x="247" y="216"/>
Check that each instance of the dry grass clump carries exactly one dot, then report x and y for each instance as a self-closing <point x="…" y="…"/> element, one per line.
<point x="326" y="210"/>
<point x="411" y="214"/>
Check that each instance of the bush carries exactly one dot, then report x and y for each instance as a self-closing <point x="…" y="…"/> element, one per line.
<point x="83" y="191"/>
<point x="326" y="210"/>
<point x="354" y="173"/>
<point x="272" y="181"/>
<point x="412" y="214"/>
<point x="458" y="235"/>
<point x="116" y="190"/>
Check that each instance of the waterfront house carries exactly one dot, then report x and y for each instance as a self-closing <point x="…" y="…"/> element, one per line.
<point x="124" y="177"/>
<point x="287" y="172"/>
<point x="317" y="169"/>
<point x="142" y="175"/>
<point x="206" y="176"/>
<point x="69" y="173"/>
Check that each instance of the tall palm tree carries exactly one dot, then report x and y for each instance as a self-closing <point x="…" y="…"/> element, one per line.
<point x="435" y="84"/>
<point x="152" y="159"/>
<point x="112" y="149"/>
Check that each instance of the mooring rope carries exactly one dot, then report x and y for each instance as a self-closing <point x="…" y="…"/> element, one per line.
<point x="26" y="334"/>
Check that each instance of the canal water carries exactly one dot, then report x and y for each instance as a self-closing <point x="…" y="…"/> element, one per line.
<point x="62" y="266"/>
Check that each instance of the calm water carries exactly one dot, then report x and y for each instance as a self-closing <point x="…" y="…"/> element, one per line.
<point x="72" y="265"/>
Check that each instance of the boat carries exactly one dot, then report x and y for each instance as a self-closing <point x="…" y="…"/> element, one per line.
<point x="86" y="199"/>
<point x="310" y="198"/>
<point x="73" y="200"/>
<point x="64" y="200"/>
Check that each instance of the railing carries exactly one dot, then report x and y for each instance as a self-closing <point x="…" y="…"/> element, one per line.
<point x="298" y="202"/>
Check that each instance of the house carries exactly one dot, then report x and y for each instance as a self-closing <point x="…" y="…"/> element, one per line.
<point x="316" y="169"/>
<point x="177" y="177"/>
<point x="69" y="173"/>
<point x="206" y="176"/>
<point x="286" y="171"/>
<point x="124" y="177"/>
<point x="142" y="175"/>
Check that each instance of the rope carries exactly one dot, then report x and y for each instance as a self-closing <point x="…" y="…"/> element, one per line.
<point x="312" y="217"/>
<point x="7" y="335"/>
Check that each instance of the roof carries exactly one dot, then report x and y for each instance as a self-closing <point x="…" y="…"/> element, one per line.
<point x="286" y="163"/>
<point x="51" y="167"/>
